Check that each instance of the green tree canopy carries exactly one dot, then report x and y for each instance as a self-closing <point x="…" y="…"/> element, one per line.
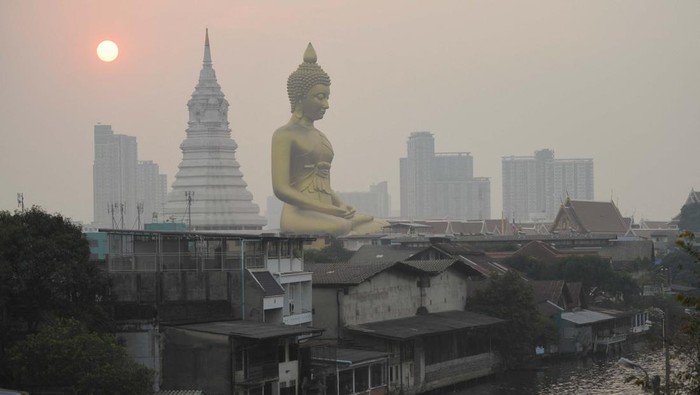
<point x="66" y="356"/>
<point x="45" y="271"/>
<point x="509" y="297"/>
<point x="590" y="270"/>
<point x="334" y="252"/>
<point x="686" y="341"/>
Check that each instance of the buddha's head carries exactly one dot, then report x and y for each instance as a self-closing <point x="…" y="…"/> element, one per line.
<point x="308" y="87"/>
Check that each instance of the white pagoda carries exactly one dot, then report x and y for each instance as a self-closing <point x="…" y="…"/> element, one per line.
<point x="209" y="192"/>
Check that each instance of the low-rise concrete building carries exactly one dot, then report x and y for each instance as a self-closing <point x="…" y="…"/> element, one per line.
<point x="168" y="278"/>
<point x="356" y="303"/>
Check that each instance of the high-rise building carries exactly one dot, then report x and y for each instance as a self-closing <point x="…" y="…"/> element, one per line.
<point x="209" y="190"/>
<point x="126" y="191"/>
<point x="524" y="185"/>
<point x="567" y="178"/>
<point x="535" y="186"/>
<point x="374" y="202"/>
<point x="151" y="192"/>
<point x="441" y="185"/>
<point x="114" y="179"/>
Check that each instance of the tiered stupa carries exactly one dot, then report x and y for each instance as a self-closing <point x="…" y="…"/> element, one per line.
<point x="209" y="172"/>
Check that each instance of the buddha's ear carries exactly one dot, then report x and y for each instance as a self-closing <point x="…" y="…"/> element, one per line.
<point x="298" y="110"/>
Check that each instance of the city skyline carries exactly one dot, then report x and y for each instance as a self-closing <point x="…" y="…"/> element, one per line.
<point x="613" y="82"/>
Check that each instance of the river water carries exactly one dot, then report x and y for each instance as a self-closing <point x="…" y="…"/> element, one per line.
<point x="595" y="375"/>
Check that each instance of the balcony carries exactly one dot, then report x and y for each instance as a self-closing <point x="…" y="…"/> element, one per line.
<point x="297" y="319"/>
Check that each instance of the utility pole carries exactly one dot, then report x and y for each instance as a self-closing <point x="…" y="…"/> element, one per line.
<point x="121" y="211"/>
<point x="20" y="201"/>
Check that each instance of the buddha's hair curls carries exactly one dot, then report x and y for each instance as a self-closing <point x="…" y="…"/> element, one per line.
<point x="305" y="77"/>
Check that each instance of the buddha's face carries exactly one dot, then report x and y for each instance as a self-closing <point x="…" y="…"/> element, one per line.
<point x="315" y="104"/>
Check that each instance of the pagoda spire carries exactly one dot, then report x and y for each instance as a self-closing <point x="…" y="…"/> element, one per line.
<point x="207" y="51"/>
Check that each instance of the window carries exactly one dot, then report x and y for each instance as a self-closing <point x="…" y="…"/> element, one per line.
<point x="362" y="378"/>
<point x="345" y="382"/>
<point x="376" y="375"/>
<point x="293" y="352"/>
<point x="281" y="354"/>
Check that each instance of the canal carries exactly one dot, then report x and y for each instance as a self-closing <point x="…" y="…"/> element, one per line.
<point x="594" y="375"/>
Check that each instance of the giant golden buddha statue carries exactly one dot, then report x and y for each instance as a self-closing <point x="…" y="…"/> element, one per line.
<point x="301" y="162"/>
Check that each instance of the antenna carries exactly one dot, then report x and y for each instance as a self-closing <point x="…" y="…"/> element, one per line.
<point x="121" y="211"/>
<point x="20" y="201"/>
<point x="112" y="210"/>
<point x="139" y="210"/>
<point x="189" y="195"/>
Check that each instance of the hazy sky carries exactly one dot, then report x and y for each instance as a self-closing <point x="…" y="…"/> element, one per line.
<point x="616" y="81"/>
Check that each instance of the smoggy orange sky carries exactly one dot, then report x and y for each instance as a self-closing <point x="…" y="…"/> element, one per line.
<point x="614" y="81"/>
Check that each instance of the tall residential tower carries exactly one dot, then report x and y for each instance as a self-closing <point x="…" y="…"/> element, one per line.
<point x="534" y="187"/>
<point x="126" y="192"/>
<point x="441" y="185"/>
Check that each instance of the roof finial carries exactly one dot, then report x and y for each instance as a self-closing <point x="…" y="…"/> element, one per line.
<point x="310" y="54"/>
<point x="207" y="51"/>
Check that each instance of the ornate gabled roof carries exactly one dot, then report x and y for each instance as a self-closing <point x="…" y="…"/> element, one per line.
<point x="693" y="197"/>
<point x="587" y="216"/>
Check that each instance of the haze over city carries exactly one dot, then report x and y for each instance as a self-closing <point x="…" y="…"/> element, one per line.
<point x="616" y="82"/>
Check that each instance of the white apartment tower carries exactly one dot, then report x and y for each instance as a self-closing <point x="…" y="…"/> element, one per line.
<point x="534" y="187"/>
<point x="209" y="189"/>
<point x="441" y="185"/>
<point x="126" y="191"/>
<point x="152" y="191"/>
<point x="114" y="179"/>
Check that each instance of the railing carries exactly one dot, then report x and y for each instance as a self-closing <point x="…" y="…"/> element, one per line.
<point x="180" y="262"/>
<point x="616" y="338"/>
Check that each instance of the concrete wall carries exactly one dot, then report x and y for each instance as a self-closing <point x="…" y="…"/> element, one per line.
<point x="142" y="343"/>
<point x="185" y="296"/>
<point x="325" y="311"/>
<point x="447" y="291"/>
<point x="628" y="250"/>
<point x="388" y="295"/>
<point x="196" y="360"/>
<point x="458" y="370"/>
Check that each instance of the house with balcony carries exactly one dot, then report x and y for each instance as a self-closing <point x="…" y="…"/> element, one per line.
<point x="165" y="278"/>
<point x="234" y="357"/>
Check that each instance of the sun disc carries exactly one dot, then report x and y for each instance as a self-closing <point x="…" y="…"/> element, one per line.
<point x="107" y="51"/>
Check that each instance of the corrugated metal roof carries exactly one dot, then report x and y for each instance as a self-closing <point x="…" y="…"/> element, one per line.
<point x="584" y="317"/>
<point x="249" y="329"/>
<point x="180" y="392"/>
<point x="270" y="286"/>
<point x="432" y="266"/>
<point x="420" y="325"/>
<point x="382" y="254"/>
<point x="344" y="273"/>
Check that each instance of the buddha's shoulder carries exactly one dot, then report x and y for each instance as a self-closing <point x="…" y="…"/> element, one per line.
<point x="290" y="131"/>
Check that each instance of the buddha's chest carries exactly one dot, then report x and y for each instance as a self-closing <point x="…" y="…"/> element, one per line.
<point x="313" y="149"/>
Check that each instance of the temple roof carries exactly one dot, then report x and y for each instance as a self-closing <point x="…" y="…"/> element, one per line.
<point x="587" y="216"/>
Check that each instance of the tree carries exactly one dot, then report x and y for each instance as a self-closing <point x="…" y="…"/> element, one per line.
<point x="65" y="355"/>
<point x="44" y="273"/>
<point x="45" y="269"/>
<point x="509" y="297"/>
<point x="686" y="341"/>
<point x="334" y="252"/>
<point x="590" y="270"/>
<point x="690" y="217"/>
